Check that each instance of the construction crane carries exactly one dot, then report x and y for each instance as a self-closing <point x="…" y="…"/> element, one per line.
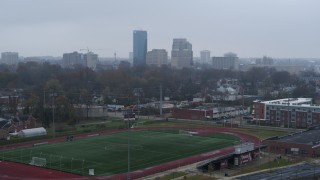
<point x="90" y="50"/>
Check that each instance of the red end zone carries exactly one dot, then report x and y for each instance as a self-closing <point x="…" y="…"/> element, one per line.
<point x="10" y="170"/>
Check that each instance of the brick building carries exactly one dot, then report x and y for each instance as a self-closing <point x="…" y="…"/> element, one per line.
<point x="191" y="113"/>
<point x="292" y="112"/>
<point x="306" y="143"/>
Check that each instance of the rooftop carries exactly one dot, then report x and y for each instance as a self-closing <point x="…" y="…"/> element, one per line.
<point x="311" y="137"/>
<point x="292" y="101"/>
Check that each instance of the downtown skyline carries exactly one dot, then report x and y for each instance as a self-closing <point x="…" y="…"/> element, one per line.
<point x="285" y="29"/>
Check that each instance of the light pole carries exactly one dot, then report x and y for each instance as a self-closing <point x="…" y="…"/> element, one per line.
<point x="137" y="92"/>
<point x="53" y="124"/>
<point x="259" y="143"/>
<point x="288" y="113"/>
<point x="128" y="174"/>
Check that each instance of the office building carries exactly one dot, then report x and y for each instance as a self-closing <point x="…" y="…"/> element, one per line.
<point x="205" y="57"/>
<point x="10" y="58"/>
<point x="228" y="61"/>
<point x="181" y="54"/>
<point x="140" y="45"/>
<point x="131" y="57"/>
<point x="292" y="112"/>
<point x="70" y="60"/>
<point x="267" y="61"/>
<point x="157" y="57"/>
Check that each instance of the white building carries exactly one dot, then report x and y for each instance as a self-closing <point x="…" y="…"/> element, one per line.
<point x="10" y="58"/>
<point x="181" y="54"/>
<point x="157" y="57"/>
<point x="205" y="57"/>
<point x="131" y="57"/>
<point x="91" y="60"/>
<point x="32" y="132"/>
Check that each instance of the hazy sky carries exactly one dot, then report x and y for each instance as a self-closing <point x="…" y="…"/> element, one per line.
<point x="250" y="28"/>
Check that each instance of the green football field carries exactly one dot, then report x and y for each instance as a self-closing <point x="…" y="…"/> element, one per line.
<point x="108" y="154"/>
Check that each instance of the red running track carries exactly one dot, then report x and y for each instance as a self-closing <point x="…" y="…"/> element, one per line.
<point x="10" y="170"/>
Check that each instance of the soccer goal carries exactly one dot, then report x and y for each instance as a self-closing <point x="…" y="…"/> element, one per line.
<point x="37" y="161"/>
<point x="188" y="133"/>
<point x="139" y="124"/>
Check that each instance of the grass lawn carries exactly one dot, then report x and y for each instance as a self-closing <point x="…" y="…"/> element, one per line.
<point x="108" y="154"/>
<point x="173" y="175"/>
<point x="262" y="133"/>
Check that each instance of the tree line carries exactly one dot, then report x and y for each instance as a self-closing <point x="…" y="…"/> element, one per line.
<point x="41" y="82"/>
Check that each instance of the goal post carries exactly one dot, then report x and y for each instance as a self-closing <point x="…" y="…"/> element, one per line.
<point x="184" y="132"/>
<point x="37" y="161"/>
<point x="188" y="133"/>
<point x="139" y="124"/>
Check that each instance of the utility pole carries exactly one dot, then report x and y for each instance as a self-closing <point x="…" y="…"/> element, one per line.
<point x="160" y="104"/>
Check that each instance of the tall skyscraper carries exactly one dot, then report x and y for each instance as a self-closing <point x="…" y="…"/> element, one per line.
<point x="10" y="58"/>
<point x="181" y="54"/>
<point x="157" y="57"/>
<point x="205" y="56"/>
<point x="140" y="45"/>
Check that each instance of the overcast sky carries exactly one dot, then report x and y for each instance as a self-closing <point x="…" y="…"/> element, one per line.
<point x="250" y="28"/>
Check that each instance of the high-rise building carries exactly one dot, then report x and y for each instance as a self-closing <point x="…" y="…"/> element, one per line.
<point x="181" y="54"/>
<point x="157" y="57"/>
<point x="131" y="57"/>
<point x="91" y="60"/>
<point x="205" y="57"/>
<point x="10" y="58"/>
<point x="228" y="61"/>
<point x="69" y="60"/>
<point x="140" y="45"/>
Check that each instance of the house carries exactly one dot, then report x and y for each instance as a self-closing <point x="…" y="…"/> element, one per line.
<point x="24" y="122"/>
<point x="6" y="127"/>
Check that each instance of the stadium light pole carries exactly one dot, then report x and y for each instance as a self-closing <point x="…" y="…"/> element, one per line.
<point x="288" y="113"/>
<point x="128" y="174"/>
<point x="259" y="142"/>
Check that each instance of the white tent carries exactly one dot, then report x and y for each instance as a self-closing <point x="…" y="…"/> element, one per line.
<point x="32" y="132"/>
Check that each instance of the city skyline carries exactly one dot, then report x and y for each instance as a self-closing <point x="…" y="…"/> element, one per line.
<point x="285" y="29"/>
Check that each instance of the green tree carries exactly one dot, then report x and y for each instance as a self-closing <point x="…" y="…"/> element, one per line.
<point x="31" y="104"/>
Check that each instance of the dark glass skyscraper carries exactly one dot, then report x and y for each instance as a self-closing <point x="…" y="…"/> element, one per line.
<point x="140" y="44"/>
